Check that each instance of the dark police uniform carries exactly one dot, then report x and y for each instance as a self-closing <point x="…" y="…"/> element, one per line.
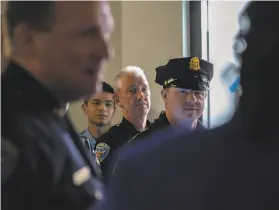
<point x="44" y="164"/>
<point x="234" y="166"/>
<point x="116" y="136"/>
<point x="160" y="123"/>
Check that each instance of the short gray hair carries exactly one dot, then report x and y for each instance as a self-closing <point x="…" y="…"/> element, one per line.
<point x="128" y="69"/>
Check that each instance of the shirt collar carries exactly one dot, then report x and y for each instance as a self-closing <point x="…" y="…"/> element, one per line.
<point x="23" y="84"/>
<point x="86" y="133"/>
<point x="126" y="123"/>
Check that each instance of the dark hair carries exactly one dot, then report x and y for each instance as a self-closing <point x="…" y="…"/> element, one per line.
<point x="106" y="88"/>
<point x="35" y="14"/>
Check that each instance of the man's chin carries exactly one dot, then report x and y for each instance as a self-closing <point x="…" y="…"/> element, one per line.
<point x="141" y="111"/>
<point x="100" y="124"/>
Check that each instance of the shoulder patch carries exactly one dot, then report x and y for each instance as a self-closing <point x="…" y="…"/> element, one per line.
<point x="101" y="151"/>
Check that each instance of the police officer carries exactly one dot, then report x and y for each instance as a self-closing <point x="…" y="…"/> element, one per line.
<point x="56" y="58"/>
<point x="185" y="83"/>
<point x="132" y="95"/>
<point x="234" y="166"/>
<point x="99" y="109"/>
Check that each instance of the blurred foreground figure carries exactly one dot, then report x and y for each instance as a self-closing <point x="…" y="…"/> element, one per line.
<point x="58" y="49"/>
<point x="231" y="167"/>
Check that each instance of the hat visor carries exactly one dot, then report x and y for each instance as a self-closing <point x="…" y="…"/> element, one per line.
<point x="191" y="85"/>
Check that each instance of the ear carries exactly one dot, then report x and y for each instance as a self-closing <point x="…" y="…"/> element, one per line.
<point x="114" y="111"/>
<point x="117" y="100"/>
<point x="84" y="108"/>
<point x="164" y="96"/>
<point x="23" y="35"/>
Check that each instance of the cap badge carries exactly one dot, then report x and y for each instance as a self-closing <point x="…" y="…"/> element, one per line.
<point x="169" y="81"/>
<point x="195" y="64"/>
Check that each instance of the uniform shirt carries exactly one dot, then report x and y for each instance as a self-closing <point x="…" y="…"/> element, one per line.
<point x="160" y="124"/>
<point x="88" y="140"/>
<point x="116" y="136"/>
<point x="45" y="164"/>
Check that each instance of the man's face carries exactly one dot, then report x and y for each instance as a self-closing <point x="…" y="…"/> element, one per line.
<point x="133" y="95"/>
<point x="184" y="104"/>
<point x="73" y="52"/>
<point x="100" y="109"/>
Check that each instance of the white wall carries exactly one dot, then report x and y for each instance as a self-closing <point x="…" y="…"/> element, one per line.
<point x="147" y="34"/>
<point x="223" y="26"/>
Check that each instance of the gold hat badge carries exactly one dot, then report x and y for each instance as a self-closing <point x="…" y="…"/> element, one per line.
<point x="195" y="64"/>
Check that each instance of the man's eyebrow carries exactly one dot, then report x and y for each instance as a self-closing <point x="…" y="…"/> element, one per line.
<point x="131" y="86"/>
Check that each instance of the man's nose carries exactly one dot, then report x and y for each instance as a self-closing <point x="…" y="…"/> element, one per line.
<point x="140" y="95"/>
<point x="102" y="107"/>
<point x="105" y="49"/>
<point x="190" y="97"/>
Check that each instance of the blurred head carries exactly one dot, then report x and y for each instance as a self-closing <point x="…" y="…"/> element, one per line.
<point x="62" y="43"/>
<point x="100" y="107"/>
<point x="185" y="83"/>
<point x="132" y="93"/>
<point x="181" y="104"/>
<point x="256" y="49"/>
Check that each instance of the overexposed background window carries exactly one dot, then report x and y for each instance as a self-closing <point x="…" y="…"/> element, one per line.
<point x="219" y="26"/>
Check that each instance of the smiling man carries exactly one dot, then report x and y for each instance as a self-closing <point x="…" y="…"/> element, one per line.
<point x="185" y="83"/>
<point x="99" y="109"/>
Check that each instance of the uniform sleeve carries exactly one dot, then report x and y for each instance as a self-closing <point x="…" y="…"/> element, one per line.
<point x="17" y="184"/>
<point x="9" y="159"/>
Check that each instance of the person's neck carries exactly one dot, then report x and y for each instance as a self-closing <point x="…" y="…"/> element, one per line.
<point x="138" y="122"/>
<point x="34" y="69"/>
<point x="97" y="131"/>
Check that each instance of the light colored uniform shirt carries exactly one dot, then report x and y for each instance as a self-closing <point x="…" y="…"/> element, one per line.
<point x="88" y="140"/>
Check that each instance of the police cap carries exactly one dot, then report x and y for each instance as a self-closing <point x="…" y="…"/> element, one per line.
<point x="189" y="73"/>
